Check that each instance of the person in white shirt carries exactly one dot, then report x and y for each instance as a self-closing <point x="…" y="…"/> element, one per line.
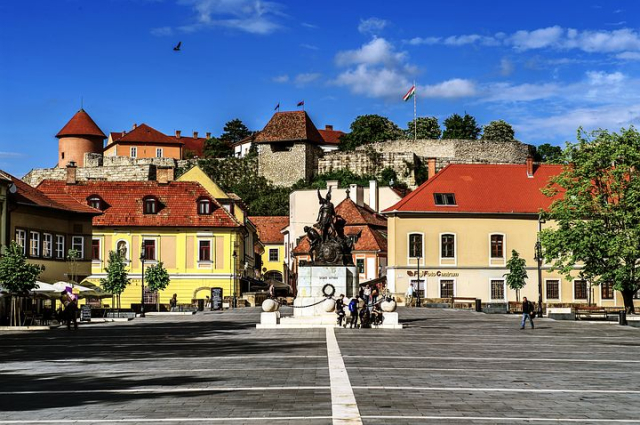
<point x="409" y="295"/>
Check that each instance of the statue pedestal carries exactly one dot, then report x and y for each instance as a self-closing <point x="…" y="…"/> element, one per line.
<point x="311" y="280"/>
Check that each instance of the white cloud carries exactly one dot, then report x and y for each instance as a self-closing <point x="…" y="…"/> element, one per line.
<point x="309" y="46"/>
<point x="506" y="67"/>
<point x="308" y="25"/>
<point x="281" y="79"/>
<point x="454" y="88"/>
<point x="537" y="39"/>
<point x="603" y="78"/>
<point x="377" y="51"/>
<point x="162" y="31"/>
<point x="303" y="79"/>
<point x="417" y="41"/>
<point x="372" y="25"/>
<point x="629" y="56"/>
<point x="10" y="154"/>
<point x="374" y="82"/>
<point x="461" y="40"/>
<point x="508" y="93"/>
<point x="252" y="16"/>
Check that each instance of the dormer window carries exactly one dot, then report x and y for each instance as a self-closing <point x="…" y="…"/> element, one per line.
<point x="95" y="201"/>
<point x="151" y="205"/>
<point x="444" y="198"/>
<point x="204" y="206"/>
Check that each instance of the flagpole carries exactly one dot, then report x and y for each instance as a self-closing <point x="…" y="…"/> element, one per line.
<point x="415" y="119"/>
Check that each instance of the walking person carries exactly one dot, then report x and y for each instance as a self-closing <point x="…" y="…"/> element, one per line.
<point x="173" y="302"/>
<point x="353" y="310"/>
<point x="409" y="295"/>
<point x="527" y="312"/>
<point x="70" y="308"/>
<point x="340" y="310"/>
<point x="367" y="297"/>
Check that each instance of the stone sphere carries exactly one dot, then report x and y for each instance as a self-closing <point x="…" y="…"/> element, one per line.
<point x="329" y="305"/>
<point x="388" y="306"/>
<point x="270" y="305"/>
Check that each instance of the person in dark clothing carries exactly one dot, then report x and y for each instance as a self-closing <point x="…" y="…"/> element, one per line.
<point x="353" y="309"/>
<point x="365" y="317"/>
<point x="340" y="310"/>
<point x="527" y="312"/>
<point x="70" y="308"/>
<point x="376" y="315"/>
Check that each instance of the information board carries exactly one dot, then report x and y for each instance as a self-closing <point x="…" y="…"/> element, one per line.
<point x="85" y="313"/>
<point x="216" y="298"/>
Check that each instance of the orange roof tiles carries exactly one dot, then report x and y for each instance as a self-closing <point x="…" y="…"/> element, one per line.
<point x="483" y="188"/>
<point x="124" y="201"/>
<point x="331" y="137"/>
<point x="356" y="214"/>
<point x="81" y="124"/>
<point x="146" y="134"/>
<point x="269" y="228"/>
<point x="289" y="126"/>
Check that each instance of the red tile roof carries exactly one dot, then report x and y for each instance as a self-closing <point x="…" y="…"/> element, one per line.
<point x="145" y="134"/>
<point x="269" y="228"/>
<point x="289" y="126"/>
<point x="483" y="188"/>
<point x="27" y="195"/>
<point x="194" y="145"/>
<point x="125" y="203"/>
<point x="81" y="124"/>
<point x="331" y="137"/>
<point x="359" y="215"/>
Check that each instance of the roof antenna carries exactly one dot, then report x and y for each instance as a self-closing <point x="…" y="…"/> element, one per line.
<point x="81" y="103"/>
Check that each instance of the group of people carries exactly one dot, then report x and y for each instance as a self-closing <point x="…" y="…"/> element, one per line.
<point x="362" y="314"/>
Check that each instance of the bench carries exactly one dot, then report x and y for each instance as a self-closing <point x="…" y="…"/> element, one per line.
<point x="593" y="313"/>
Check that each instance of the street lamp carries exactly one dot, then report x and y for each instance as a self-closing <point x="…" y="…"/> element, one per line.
<point x="235" y="259"/>
<point x="418" y="256"/>
<point x="143" y="257"/>
<point x="538" y="258"/>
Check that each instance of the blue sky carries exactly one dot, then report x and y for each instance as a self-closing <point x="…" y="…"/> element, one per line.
<point x="547" y="67"/>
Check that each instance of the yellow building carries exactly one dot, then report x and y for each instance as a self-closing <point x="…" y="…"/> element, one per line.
<point x="457" y="232"/>
<point x="273" y="261"/>
<point x="179" y="223"/>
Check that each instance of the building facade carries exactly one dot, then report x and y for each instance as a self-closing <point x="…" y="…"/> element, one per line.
<point x="270" y="234"/>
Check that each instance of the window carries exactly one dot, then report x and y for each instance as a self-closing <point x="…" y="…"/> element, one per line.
<point x="95" y="249"/>
<point x="150" y="205"/>
<point x="34" y="244"/>
<point x="159" y="153"/>
<point x="47" y="245"/>
<point x="150" y="297"/>
<point x="149" y="249"/>
<point x="448" y="244"/>
<point x="133" y="152"/>
<point x="360" y="265"/>
<point x="580" y="289"/>
<point x="59" y="247"/>
<point x="415" y="245"/>
<point x="497" y="289"/>
<point x="204" y="206"/>
<point x="274" y="254"/>
<point x="497" y="246"/>
<point x="607" y="290"/>
<point x="95" y="202"/>
<point x="446" y="289"/>
<point x="204" y="250"/>
<point x="553" y="289"/>
<point x="21" y="239"/>
<point x="444" y="198"/>
<point x="77" y="244"/>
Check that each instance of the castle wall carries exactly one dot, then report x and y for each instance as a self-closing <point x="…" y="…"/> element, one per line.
<point x="285" y="166"/>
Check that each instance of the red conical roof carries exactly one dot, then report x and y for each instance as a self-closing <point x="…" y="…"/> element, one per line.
<point x="81" y="125"/>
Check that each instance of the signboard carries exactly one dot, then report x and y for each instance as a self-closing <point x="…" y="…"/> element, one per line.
<point x="85" y="313"/>
<point x="216" y="298"/>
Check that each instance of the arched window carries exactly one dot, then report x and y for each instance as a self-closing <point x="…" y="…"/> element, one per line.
<point x="150" y="205"/>
<point x="95" y="201"/>
<point x="204" y="206"/>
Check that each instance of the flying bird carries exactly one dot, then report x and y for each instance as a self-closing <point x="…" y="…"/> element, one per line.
<point x="177" y="48"/>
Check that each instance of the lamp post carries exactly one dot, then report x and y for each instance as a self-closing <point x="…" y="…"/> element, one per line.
<point x="143" y="256"/>
<point x="538" y="258"/>
<point x="235" y="259"/>
<point x="418" y="253"/>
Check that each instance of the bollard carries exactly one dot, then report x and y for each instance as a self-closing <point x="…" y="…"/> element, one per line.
<point x="478" y="305"/>
<point x="622" y="318"/>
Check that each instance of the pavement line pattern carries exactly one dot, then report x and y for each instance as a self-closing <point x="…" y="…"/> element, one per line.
<point x="483" y="370"/>
<point x="163" y="390"/>
<point x="495" y="359"/>
<point x="344" y="407"/>
<point x="156" y="420"/>
<point x="498" y="390"/>
<point x="503" y="419"/>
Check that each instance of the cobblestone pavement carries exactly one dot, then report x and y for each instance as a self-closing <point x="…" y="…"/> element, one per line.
<point x="446" y="367"/>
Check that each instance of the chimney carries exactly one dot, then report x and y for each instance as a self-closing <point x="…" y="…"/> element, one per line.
<point x="359" y="196"/>
<point x="195" y="134"/>
<point x="177" y="134"/>
<point x="530" y="166"/>
<point x="373" y="195"/>
<point x="332" y="184"/>
<point x="71" y="172"/>
<point x="353" y="189"/>
<point x="134" y="126"/>
<point x="208" y="135"/>
<point x="328" y="127"/>
<point x="431" y="168"/>
<point x="164" y="175"/>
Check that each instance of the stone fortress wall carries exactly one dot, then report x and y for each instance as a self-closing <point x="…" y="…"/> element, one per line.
<point x="284" y="166"/>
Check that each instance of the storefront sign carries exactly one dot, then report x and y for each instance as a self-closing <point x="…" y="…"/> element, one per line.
<point x="437" y="273"/>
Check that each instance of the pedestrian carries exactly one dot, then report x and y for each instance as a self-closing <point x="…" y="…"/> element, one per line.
<point x="340" y="310"/>
<point x="527" y="312"/>
<point x="374" y="294"/>
<point x="173" y="302"/>
<point x="376" y="315"/>
<point x="409" y="295"/>
<point x="70" y="308"/>
<point x="353" y="310"/>
<point x="207" y="301"/>
<point x="367" y="297"/>
<point x="365" y="318"/>
<point x="272" y="291"/>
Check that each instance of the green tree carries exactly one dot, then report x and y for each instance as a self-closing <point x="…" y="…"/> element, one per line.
<point x="427" y="128"/>
<point x="17" y="276"/>
<point x="217" y="148"/>
<point x="457" y="127"/>
<point x="548" y="153"/>
<point x="597" y="211"/>
<point x="499" y="131"/>
<point x="234" y="131"/>
<point x="117" y="276"/>
<point x="157" y="279"/>
<point x="516" y="278"/>
<point x="369" y="129"/>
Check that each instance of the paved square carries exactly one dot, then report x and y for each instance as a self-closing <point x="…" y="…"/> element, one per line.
<point x="450" y="367"/>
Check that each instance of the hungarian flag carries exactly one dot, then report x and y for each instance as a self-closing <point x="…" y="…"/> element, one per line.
<point x="301" y="103"/>
<point x="410" y="93"/>
<point x="277" y="108"/>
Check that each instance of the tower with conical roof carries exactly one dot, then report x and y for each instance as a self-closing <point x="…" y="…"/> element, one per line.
<point x="79" y="136"/>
